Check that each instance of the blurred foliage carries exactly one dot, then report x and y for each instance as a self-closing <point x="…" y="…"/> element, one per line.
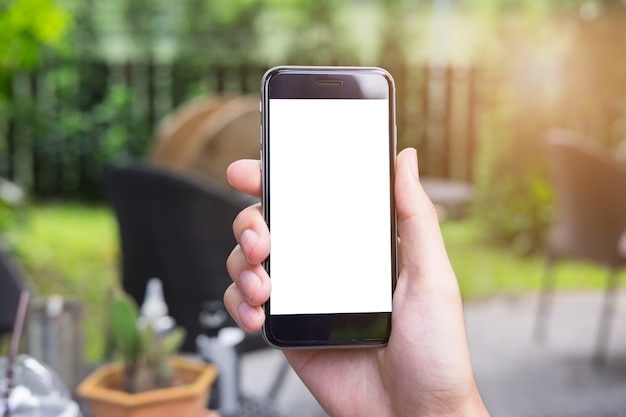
<point x="11" y="202"/>
<point x="219" y="31"/>
<point x="70" y="250"/>
<point x="7" y="216"/>
<point x="64" y="135"/>
<point x="542" y="63"/>
<point x="316" y="35"/>
<point x="129" y="64"/>
<point x="515" y="212"/>
<point x="547" y="64"/>
<point x="27" y="27"/>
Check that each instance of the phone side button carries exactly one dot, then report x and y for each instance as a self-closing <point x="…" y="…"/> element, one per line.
<point x="261" y="135"/>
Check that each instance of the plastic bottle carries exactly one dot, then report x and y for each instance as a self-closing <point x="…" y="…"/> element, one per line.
<point x="219" y="346"/>
<point x="154" y="310"/>
<point x="38" y="391"/>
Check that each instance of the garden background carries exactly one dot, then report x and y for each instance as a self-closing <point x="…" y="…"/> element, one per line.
<point x="84" y="84"/>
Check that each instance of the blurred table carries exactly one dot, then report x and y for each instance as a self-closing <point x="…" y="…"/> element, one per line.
<point x="450" y="197"/>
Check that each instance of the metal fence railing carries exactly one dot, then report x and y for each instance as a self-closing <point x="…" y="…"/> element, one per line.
<point x="65" y="121"/>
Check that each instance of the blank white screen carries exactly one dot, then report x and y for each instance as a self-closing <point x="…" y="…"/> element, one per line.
<point x="329" y="208"/>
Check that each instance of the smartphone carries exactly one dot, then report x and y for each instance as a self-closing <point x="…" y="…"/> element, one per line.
<point x="328" y="162"/>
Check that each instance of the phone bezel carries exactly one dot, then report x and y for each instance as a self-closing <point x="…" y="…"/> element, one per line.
<point x="313" y="330"/>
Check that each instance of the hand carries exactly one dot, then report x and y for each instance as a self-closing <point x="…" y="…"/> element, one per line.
<point x="425" y="370"/>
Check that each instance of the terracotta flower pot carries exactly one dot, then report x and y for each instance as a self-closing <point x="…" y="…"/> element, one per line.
<point x="190" y="398"/>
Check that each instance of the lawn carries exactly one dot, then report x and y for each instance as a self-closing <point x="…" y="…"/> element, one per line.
<point x="71" y="250"/>
<point x="485" y="270"/>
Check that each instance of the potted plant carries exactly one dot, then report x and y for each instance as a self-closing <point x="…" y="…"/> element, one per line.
<point x="150" y="380"/>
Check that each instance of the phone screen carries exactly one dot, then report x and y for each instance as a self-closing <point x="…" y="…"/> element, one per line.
<point x="329" y="148"/>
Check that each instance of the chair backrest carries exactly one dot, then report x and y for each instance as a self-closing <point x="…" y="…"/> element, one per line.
<point x="177" y="228"/>
<point x="205" y="136"/>
<point x="590" y="190"/>
<point x="12" y="283"/>
<point x="170" y="142"/>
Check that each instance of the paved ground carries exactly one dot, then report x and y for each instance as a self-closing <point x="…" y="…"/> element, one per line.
<point x="517" y="377"/>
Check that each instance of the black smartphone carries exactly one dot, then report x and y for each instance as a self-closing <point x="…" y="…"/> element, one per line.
<point x="328" y="163"/>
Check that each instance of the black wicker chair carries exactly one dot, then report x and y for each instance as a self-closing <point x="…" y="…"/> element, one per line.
<point x="178" y="228"/>
<point x="12" y="282"/>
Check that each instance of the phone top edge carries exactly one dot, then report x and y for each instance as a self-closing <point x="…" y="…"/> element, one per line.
<point x="307" y="82"/>
<point x="295" y="69"/>
<point x="323" y="68"/>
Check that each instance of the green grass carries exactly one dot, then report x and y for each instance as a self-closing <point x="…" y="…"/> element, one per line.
<point x="72" y="250"/>
<point x="485" y="270"/>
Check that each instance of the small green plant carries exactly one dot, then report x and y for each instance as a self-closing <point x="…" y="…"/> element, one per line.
<point x="143" y="349"/>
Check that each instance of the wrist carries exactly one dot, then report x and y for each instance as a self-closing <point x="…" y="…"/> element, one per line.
<point x="471" y="406"/>
<point x="474" y="407"/>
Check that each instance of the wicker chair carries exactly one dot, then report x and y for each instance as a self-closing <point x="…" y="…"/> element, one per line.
<point x="175" y="227"/>
<point x="207" y="134"/>
<point x="590" y="222"/>
<point x="12" y="282"/>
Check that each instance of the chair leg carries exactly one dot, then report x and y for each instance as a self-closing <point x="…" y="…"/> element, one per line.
<point x="278" y="380"/>
<point x="545" y="302"/>
<point x="606" y="318"/>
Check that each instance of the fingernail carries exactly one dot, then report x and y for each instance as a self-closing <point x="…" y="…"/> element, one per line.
<point x="249" y="282"/>
<point x="247" y="315"/>
<point x="247" y="240"/>
<point x="413" y="163"/>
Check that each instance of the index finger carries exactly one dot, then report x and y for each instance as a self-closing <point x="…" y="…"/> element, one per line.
<point x="245" y="175"/>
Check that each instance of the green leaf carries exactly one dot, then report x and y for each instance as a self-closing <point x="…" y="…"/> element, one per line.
<point x="172" y="341"/>
<point x="124" y="315"/>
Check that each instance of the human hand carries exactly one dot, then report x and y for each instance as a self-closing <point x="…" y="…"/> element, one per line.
<point x="425" y="370"/>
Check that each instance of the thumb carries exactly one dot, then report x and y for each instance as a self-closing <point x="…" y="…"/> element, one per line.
<point x="423" y="258"/>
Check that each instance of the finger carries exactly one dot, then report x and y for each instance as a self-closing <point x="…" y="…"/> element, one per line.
<point x="249" y="318"/>
<point x="252" y="234"/>
<point x="252" y="280"/>
<point x="422" y="250"/>
<point x="245" y="175"/>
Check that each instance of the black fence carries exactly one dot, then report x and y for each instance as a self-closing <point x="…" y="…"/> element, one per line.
<point x="64" y="122"/>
